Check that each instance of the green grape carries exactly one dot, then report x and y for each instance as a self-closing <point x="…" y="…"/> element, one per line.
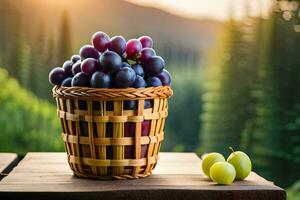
<point x="241" y="163"/>
<point x="209" y="160"/>
<point x="222" y="173"/>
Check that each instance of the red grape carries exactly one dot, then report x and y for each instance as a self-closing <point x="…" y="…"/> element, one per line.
<point x="146" y="41"/>
<point x="57" y="76"/>
<point x="88" y="51"/>
<point x="133" y="47"/>
<point x="100" y="40"/>
<point x="117" y="44"/>
<point x="89" y="66"/>
<point x="145" y="54"/>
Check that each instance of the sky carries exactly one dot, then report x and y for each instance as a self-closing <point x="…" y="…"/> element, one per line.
<point x="211" y="9"/>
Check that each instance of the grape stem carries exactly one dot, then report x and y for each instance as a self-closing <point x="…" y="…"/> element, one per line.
<point x="231" y="149"/>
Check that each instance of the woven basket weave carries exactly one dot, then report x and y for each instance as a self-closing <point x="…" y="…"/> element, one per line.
<point x="106" y="140"/>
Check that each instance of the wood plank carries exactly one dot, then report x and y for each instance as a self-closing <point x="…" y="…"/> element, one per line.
<point x="177" y="176"/>
<point x="6" y="161"/>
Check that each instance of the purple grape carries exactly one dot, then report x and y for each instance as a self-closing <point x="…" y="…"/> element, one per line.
<point x="117" y="44"/>
<point x="133" y="47"/>
<point x="148" y="103"/>
<point x="154" y="65"/>
<point x="101" y="80"/>
<point x="89" y="66"/>
<point x="146" y="41"/>
<point x="145" y="54"/>
<point x="154" y="82"/>
<point x="67" y="66"/>
<point x="130" y="105"/>
<point x="57" y="76"/>
<point x="165" y="77"/>
<point x="110" y="61"/>
<point x="125" y="77"/>
<point x="75" y="58"/>
<point x="88" y="51"/>
<point x="139" y="82"/>
<point x="100" y="40"/>
<point x="76" y="68"/>
<point x="125" y="64"/>
<point x="81" y="79"/>
<point x="138" y="70"/>
<point x="67" y="82"/>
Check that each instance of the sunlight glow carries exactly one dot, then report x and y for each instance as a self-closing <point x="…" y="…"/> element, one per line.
<point x="211" y="9"/>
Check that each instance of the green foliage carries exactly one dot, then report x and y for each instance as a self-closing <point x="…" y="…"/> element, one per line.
<point x="184" y="108"/>
<point x="293" y="193"/>
<point x="27" y="123"/>
<point x="252" y="100"/>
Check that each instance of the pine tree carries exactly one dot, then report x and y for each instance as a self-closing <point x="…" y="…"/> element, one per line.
<point x="64" y="42"/>
<point x="228" y="102"/>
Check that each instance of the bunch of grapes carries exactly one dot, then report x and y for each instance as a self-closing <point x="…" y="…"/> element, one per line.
<point x="113" y="63"/>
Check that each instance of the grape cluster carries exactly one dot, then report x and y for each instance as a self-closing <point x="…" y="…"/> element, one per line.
<point x="113" y="63"/>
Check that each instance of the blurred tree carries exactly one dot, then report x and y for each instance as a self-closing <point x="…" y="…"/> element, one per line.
<point x="28" y="124"/>
<point x="64" y="50"/>
<point x="228" y="102"/>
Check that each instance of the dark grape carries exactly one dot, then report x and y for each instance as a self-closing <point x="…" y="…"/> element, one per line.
<point x="146" y="41"/>
<point x="130" y="105"/>
<point x="67" y="82"/>
<point x="154" y="82"/>
<point x="89" y="66"/>
<point x="133" y="105"/>
<point x="67" y="66"/>
<point x="88" y="51"/>
<point x="76" y="68"/>
<point x="81" y="79"/>
<point x="138" y="70"/>
<point x="75" y="58"/>
<point x="101" y="80"/>
<point x="117" y="44"/>
<point x="154" y="65"/>
<point x="165" y="77"/>
<point x="145" y="54"/>
<point x="139" y="82"/>
<point x="100" y="40"/>
<point x="148" y="103"/>
<point x="57" y="76"/>
<point x="133" y="47"/>
<point x="125" y="64"/>
<point x="125" y="77"/>
<point x="110" y="61"/>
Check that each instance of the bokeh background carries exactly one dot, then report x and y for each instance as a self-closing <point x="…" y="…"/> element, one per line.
<point x="235" y="67"/>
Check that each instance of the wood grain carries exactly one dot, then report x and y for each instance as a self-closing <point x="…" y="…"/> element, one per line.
<point x="6" y="159"/>
<point x="177" y="176"/>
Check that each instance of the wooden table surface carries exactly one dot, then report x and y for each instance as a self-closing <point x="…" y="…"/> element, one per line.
<point x="177" y="176"/>
<point x="6" y="159"/>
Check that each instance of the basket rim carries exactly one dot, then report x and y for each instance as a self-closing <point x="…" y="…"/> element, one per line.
<point x="112" y="93"/>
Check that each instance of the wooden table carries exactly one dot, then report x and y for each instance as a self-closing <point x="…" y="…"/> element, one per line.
<point x="177" y="176"/>
<point x="6" y="161"/>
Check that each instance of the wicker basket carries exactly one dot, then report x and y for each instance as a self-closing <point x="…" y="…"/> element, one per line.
<point x="107" y="139"/>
